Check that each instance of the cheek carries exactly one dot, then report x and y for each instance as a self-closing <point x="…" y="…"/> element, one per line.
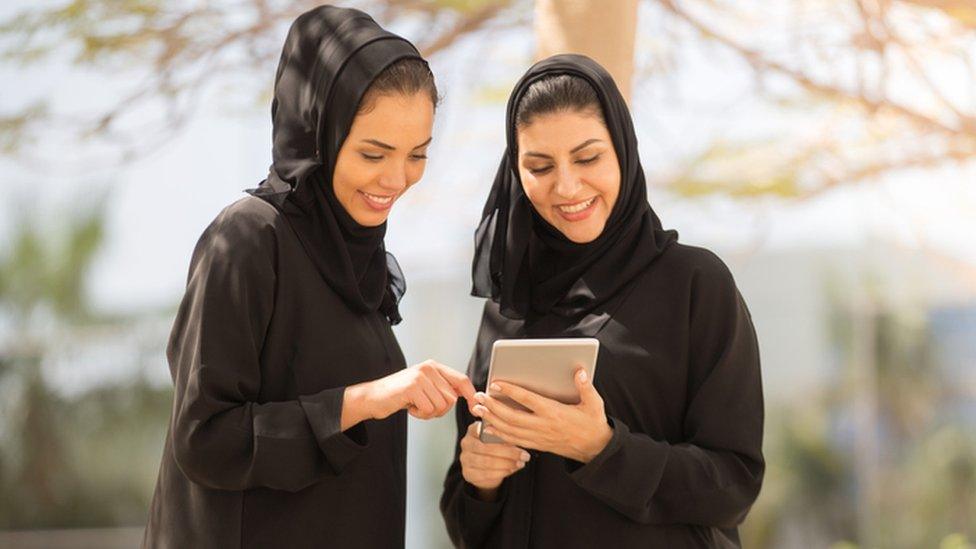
<point x="607" y="183"/>
<point x="415" y="171"/>
<point x="535" y="190"/>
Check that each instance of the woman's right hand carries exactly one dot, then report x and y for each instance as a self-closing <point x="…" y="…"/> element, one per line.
<point x="486" y="465"/>
<point x="426" y="390"/>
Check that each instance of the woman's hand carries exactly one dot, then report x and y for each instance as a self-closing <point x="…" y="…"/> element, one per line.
<point x="427" y="390"/>
<point x="575" y="431"/>
<point x="485" y="466"/>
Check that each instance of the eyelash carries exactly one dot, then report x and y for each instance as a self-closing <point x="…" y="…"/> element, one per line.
<point x="371" y="158"/>
<point x="583" y="161"/>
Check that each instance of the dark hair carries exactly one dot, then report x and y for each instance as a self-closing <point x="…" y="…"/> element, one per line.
<point x="404" y="77"/>
<point x="557" y="93"/>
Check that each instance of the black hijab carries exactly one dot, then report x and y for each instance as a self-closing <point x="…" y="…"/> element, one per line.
<point x="525" y="264"/>
<point x="329" y="60"/>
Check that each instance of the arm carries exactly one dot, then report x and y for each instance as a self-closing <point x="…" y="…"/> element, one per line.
<point x="222" y="437"/>
<point x="713" y="476"/>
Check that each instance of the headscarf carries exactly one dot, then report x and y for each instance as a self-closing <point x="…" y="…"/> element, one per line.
<point x="530" y="268"/>
<point x="330" y="58"/>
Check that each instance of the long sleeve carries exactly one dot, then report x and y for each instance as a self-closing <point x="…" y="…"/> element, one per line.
<point x="714" y="474"/>
<point x="223" y="437"/>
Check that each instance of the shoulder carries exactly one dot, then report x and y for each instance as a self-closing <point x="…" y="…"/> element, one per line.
<point x="696" y="264"/>
<point x="243" y="231"/>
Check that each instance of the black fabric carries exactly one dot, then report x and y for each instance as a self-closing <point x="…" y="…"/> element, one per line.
<point x="287" y="303"/>
<point x="331" y="56"/>
<point x="260" y="354"/>
<point x="679" y="373"/>
<point x="528" y="266"/>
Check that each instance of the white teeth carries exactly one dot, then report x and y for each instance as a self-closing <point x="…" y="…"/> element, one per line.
<point x="378" y="199"/>
<point x="576" y="208"/>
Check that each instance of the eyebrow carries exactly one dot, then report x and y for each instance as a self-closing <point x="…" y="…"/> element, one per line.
<point x="577" y="148"/>
<point x="389" y="147"/>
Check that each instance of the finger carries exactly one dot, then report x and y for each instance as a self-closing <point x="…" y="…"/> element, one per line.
<point x="526" y="398"/>
<point x="415" y="412"/>
<point x="511" y="415"/>
<point x="459" y="382"/>
<point x="433" y="393"/>
<point x="422" y="402"/>
<point x="494" y="463"/>
<point x="497" y="423"/>
<point x="510" y="438"/>
<point x="501" y="451"/>
<point x="445" y="389"/>
<point x="588" y="393"/>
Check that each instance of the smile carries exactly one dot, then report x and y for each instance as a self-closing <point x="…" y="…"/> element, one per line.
<point x="577" y="211"/>
<point x="376" y="201"/>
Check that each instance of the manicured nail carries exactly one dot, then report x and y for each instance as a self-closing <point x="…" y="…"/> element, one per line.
<point x="521" y="464"/>
<point x="583" y="375"/>
<point x="525" y="456"/>
<point x="495" y="387"/>
<point x="479" y="410"/>
<point x="489" y="431"/>
<point x="480" y="397"/>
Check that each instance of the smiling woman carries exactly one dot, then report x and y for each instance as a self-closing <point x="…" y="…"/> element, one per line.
<point x="383" y="156"/>
<point x="291" y="391"/>
<point x="664" y="448"/>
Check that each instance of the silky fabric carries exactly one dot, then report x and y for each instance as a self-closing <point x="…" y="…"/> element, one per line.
<point x="288" y="303"/>
<point x="525" y="264"/>
<point x="330" y="58"/>
<point x="678" y="370"/>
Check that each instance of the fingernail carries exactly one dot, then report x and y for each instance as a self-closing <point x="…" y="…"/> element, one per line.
<point x="489" y="431"/>
<point x="480" y="397"/>
<point x="495" y="387"/>
<point x="525" y="456"/>
<point x="582" y="375"/>
<point x="521" y="464"/>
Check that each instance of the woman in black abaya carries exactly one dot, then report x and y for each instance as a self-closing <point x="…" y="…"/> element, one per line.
<point x="664" y="448"/>
<point x="291" y="393"/>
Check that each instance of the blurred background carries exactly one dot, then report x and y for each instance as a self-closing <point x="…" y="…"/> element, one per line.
<point x="823" y="148"/>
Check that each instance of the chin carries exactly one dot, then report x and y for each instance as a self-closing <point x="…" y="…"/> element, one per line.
<point x="370" y="219"/>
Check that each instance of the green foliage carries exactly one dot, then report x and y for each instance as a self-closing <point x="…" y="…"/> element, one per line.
<point x="45" y="268"/>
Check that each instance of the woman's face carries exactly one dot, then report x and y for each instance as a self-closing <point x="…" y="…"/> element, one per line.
<point x="569" y="171"/>
<point x="383" y="155"/>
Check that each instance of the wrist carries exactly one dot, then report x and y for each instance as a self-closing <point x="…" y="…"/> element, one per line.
<point x="598" y="443"/>
<point x="355" y="405"/>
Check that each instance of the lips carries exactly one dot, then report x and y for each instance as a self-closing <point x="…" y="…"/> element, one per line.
<point x="378" y="202"/>
<point x="577" y="211"/>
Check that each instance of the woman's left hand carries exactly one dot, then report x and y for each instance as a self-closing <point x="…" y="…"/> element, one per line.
<point x="575" y="431"/>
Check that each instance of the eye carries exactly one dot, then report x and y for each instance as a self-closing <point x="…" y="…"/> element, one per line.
<point x="371" y="157"/>
<point x="589" y="160"/>
<point x="418" y="157"/>
<point x="540" y="171"/>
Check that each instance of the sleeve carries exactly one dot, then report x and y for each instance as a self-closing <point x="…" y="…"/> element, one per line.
<point x="712" y="477"/>
<point x="469" y="520"/>
<point x="222" y="437"/>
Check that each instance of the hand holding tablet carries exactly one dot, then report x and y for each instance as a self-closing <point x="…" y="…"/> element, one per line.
<point x="541" y="397"/>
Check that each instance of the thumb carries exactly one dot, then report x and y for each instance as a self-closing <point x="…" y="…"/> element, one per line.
<point x="588" y="394"/>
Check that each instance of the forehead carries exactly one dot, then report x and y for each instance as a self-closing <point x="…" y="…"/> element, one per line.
<point x="561" y="131"/>
<point x="395" y="119"/>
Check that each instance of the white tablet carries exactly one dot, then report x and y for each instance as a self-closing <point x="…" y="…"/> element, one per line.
<point x="543" y="366"/>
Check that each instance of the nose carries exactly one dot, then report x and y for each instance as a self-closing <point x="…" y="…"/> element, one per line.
<point x="394" y="179"/>
<point x="567" y="184"/>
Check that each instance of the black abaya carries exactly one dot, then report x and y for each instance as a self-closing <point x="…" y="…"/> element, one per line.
<point x="287" y="303"/>
<point x="678" y="370"/>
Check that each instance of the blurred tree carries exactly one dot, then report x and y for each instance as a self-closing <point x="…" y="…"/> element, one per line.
<point x="887" y="85"/>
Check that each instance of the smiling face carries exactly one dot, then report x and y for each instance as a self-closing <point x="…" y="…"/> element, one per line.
<point x="384" y="154"/>
<point x="569" y="171"/>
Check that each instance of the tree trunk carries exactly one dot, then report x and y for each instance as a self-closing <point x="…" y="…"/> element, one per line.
<point x="599" y="29"/>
